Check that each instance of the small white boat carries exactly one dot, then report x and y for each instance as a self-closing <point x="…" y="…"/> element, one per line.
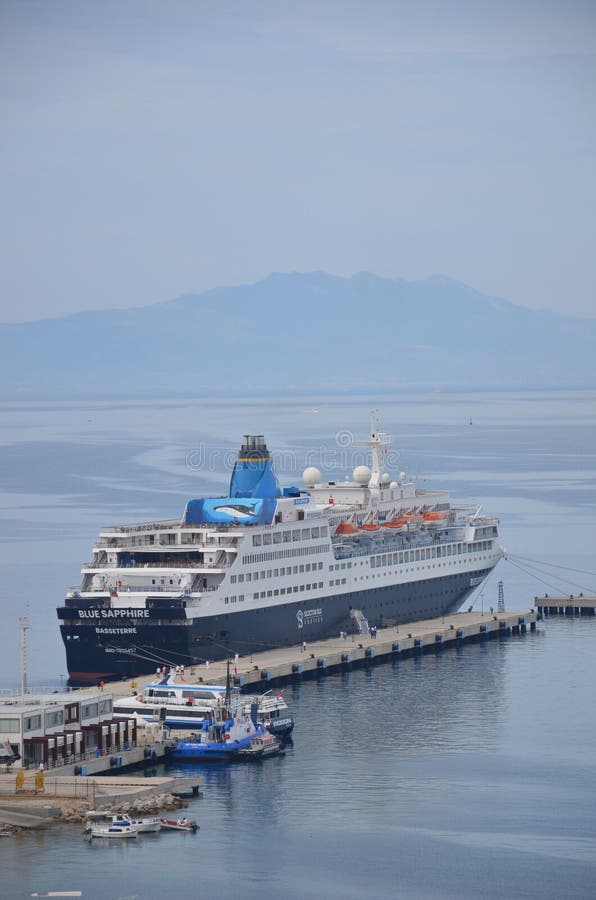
<point x="114" y="831"/>
<point x="148" y="825"/>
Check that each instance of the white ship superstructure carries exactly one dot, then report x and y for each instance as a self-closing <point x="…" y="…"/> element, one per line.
<point x="266" y="567"/>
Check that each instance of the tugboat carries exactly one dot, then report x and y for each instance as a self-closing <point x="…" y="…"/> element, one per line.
<point x="227" y="731"/>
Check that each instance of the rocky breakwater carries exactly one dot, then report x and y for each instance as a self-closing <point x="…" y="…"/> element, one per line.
<point x="76" y="812"/>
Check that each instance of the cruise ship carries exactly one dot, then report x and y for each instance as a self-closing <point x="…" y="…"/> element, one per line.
<point x="266" y="567"/>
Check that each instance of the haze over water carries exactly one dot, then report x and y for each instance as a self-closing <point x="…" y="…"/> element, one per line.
<point x="466" y="774"/>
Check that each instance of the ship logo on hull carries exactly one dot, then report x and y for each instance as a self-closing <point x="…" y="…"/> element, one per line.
<point x="309" y="617"/>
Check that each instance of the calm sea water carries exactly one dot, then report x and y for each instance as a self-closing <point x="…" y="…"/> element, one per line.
<point x="468" y="774"/>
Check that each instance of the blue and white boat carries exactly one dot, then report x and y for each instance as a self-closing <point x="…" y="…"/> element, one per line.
<point x="181" y="705"/>
<point x="222" y="736"/>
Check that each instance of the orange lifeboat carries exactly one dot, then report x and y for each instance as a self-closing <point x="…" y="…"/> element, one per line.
<point x="345" y="528"/>
<point x="370" y="527"/>
<point x="435" y="516"/>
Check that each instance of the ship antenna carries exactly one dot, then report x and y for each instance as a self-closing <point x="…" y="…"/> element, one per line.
<point x="377" y="443"/>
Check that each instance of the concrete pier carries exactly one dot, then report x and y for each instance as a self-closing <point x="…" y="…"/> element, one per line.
<point x="260" y="671"/>
<point x="569" y="605"/>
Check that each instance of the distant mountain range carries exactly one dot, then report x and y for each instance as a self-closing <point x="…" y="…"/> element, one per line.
<point x="310" y="333"/>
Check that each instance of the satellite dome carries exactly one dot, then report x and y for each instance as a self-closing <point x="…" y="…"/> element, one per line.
<point x="402" y="476"/>
<point x="361" y="474"/>
<point x="311" y="476"/>
<point x="385" y="479"/>
<point x="394" y="484"/>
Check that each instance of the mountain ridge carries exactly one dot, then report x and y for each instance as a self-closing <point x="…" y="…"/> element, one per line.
<point x="314" y="330"/>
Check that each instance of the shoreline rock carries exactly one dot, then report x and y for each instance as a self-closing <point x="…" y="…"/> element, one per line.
<point x="76" y="813"/>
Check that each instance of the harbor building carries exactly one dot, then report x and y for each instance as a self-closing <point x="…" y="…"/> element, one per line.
<point x="60" y="729"/>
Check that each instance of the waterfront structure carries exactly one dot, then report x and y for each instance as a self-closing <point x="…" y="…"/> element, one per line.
<point x="55" y="729"/>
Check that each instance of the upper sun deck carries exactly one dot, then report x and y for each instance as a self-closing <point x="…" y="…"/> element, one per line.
<point x="169" y="533"/>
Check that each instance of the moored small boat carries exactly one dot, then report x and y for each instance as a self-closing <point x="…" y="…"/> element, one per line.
<point x="140" y="825"/>
<point x="179" y="825"/>
<point x="148" y="825"/>
<point x="114" y="831"/>
<point x="262" y="746"/>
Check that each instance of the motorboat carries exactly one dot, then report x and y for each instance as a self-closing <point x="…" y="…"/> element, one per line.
<point x="148" y="825"/>
<point x="179" y="825"/>
<point x="262" y="746"/>
<point x="114" y="831"/>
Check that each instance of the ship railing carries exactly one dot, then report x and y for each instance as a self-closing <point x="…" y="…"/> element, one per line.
<point x="165" y="525"/>
<point x="174" y="564"/>
<point x="142" y="526"/>
<point x="77" y="593"/>
<point x="128" y="542"/>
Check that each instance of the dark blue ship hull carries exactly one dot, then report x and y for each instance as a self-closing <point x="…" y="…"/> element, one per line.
<point x="91" y="655"/>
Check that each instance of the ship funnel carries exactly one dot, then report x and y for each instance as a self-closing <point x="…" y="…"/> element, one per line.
<point x="253" y="475"/>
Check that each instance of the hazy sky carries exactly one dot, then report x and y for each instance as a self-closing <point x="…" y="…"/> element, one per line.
<point x="153" y="148"/>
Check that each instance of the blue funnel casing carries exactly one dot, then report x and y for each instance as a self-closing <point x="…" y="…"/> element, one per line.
<point x="253" y="475"/>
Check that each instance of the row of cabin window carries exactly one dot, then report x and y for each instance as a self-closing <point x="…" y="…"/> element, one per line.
<point x="286" y="537"/>
<point x="277" y="592"/>
<point x="406" y="556"/>
<point x="276" y="573"/>
<point x="284" y="554"/>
